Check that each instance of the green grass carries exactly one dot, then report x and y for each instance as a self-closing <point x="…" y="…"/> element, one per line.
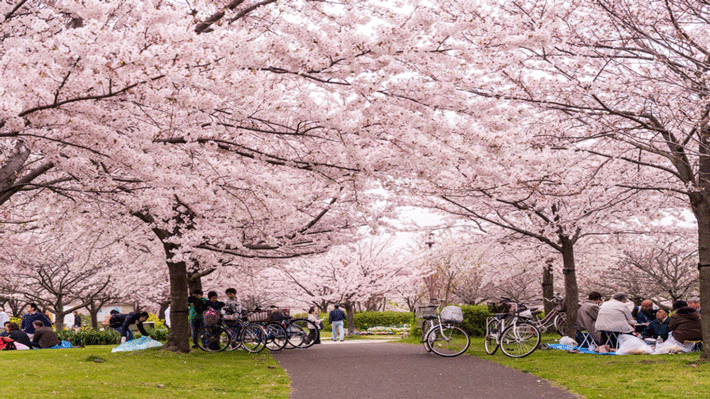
<point x="597" y="376"/>
<point x="94" y="371"/>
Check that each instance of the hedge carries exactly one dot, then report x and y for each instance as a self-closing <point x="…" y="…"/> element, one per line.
<point x="103" y="337"/>
<point x="365" y="320"/>
<point x="474" y="321"/>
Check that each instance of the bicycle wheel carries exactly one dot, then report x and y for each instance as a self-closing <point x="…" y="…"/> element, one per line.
<point x="253" y="338"/>
<point x="492" y="335"/>
<point x="519" y="340"/>
<point x="308" y="329"/>
<point x="426" y="327"/>
<point x="448" y="340"/>
<point x="276" y="337"/>
<point x="213" y="339"/>
<point x="560" y="324"/>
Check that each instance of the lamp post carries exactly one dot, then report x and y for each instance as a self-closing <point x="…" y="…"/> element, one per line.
<point x="430" y="280"/>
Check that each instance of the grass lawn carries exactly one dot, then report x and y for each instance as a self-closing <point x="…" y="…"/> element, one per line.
<point x="597" y="376"/>
<point x="75" y="373"/>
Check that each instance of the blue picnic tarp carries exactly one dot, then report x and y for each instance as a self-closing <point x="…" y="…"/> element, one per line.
<point x="62" y="345"/>
<point x="137" y="344"/>
<point x="580" y="349"/>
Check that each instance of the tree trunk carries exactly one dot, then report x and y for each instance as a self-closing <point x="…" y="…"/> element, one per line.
<point x="702" y="215"/>
<point x="571" y="290"/>
<point x="94" y="314"/>
<point x="194" y="282"/>
<point x="351" y="320"/>
<point x="548" y="287"/>
<point x="179" y="337"/>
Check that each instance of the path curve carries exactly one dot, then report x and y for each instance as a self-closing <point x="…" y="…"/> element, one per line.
<point x="361" y="369"/>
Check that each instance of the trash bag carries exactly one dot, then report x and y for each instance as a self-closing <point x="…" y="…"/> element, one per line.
<point x="137" y="344"/>
<point x="671" y="345"/>
<point x="568" y="343"/>
<point x="632" y="345"/>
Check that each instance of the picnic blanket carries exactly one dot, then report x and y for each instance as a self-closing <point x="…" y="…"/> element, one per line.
<point x="62" y="345"/>
<point x="580" y="349"/>
<point x="137" y="344"/>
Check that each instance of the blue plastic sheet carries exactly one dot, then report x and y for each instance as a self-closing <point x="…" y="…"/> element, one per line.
<point x="581" y="350"/>
<point x="137" y="344"/>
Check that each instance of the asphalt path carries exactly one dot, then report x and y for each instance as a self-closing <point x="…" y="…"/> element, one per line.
<point x="361" y="369"/>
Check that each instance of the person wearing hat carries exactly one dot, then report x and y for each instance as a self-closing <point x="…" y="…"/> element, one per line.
<point x="685" y="323"/>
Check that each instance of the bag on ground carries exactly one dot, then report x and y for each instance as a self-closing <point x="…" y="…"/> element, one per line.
<point x="632" y="345"/>
<point x="7" y="344"/>
<point x="672" y="345"/>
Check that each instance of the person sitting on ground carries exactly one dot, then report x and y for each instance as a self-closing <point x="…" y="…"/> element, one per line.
<point x="27" y="323"/>
<point x="44" y="336"/>
<point x="614" y="317"/>
<point x="18" y="335"/>
<point x="586" y="317"/>
<point x="694" y="303"/>
<point x="685" y="323"/>
<point x="6" y="330"/>
<point x="643" y="314"/>
<point x="136" y="318"/>
<point x="659" y="327"/>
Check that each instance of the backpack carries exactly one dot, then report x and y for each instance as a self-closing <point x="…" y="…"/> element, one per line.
<point x="210" y="317"/>
<point x="7" y="344"/>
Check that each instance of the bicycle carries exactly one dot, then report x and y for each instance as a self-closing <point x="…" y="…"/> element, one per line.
<point x="444" y="338"/>
<point x="241" y="334"/>
<point x="516" y="335"/>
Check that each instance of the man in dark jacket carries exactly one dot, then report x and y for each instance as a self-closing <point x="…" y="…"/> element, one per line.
<point x="658" y="327"/>
<point x="643" y="314"/>
<point x="18" y="335"/>
<point x="29" y="318"/>
<point x="44" y="337"/>
<point x="685" y="323"/>
<point x="132" y="318"/>
<point x="335" y="318"/>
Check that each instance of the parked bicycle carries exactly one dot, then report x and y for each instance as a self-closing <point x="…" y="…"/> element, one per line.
<point x="232" y="335"/>
<point x="440" y="333"/>
<point x="516" y="332"/>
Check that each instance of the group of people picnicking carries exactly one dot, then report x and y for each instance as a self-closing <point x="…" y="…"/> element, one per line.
<point x="35" y="330"/>
<point x="600" y="324"/>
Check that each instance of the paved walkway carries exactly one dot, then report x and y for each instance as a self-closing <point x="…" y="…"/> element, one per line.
<point x="361" y="369"/>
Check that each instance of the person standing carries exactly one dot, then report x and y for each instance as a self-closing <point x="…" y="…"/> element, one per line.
<point x="77" y="321"/>
<point x="3" y="317"/>
<point x="198" y="304"/>
<point x="336" y="318"/>
<point x="32" y="315"/>
<point x="167" y="316"/>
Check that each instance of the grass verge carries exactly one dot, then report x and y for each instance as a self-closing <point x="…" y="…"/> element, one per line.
<point x="94" y="371"/>
<point x="610" y="377"/>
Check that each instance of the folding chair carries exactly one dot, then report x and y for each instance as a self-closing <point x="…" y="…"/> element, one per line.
<point x="611" y="338"/>
<point x="586" y="340"/>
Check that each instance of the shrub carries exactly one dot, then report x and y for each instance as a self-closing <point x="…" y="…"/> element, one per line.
<point x="89" y="337"/>
<point x="474" y="321"/>
<point x="365" y="320"/>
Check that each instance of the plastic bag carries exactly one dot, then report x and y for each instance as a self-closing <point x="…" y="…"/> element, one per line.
<point x="632" y="345"/>
<point x="568" y="343"/>
<point x="671" y="345"/>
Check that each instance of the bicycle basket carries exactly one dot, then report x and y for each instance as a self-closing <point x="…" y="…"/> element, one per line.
<point x="452" y="314"/>
<point x="258" y="316"/>
<point x="426" y="312"/>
